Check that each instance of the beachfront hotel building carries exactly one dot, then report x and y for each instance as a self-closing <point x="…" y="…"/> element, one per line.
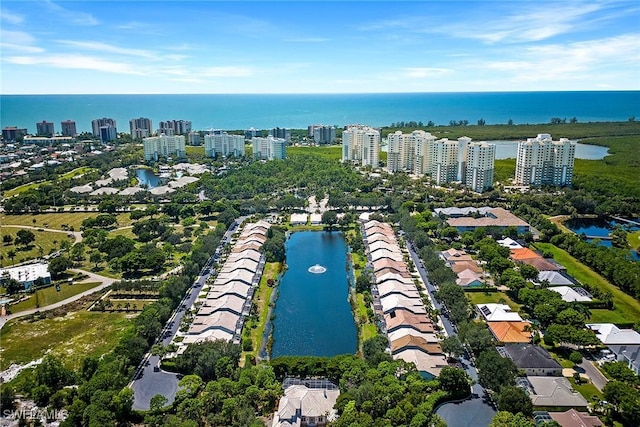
<point x="45" y="128"/>
<point x="140" y="128"/>
<point x="269" y="148"/>
<point x="68" y="128"/>
<point x="542" y="161"/>
<point x="464" y="161"/>
<point x="361" y="144"/>
<point x="163" y="146"/>
<point x="223" y="144"/>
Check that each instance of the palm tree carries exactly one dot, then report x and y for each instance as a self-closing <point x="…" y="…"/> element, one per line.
<point x="12" y="254"/>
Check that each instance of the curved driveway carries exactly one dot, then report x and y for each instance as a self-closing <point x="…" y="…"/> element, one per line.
<point x="106" y="281"/>
<point x="77" y="235"/>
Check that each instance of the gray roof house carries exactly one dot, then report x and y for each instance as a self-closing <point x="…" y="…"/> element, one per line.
<point x="532" y="359"/>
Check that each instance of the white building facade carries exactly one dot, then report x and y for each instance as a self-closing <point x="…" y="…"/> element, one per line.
<point x="542" y="161"/>
<point x="163" y="145"/>
<point x="269" y="148"/>
<point x="224" y="144"/>
<point x="361" y="144"/>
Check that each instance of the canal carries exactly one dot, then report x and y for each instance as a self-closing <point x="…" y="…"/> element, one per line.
<point x="312" y="314"/>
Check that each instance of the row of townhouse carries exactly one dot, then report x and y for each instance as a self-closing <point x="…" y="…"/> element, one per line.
<point x="228" y="301"/>
<point x="398" y="302"/>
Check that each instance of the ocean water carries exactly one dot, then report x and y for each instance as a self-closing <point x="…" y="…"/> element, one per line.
<point x="313" y="314"/>
<point x="298" y="111"/>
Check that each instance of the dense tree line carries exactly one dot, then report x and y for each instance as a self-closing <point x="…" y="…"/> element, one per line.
<point x="614" y="264"/>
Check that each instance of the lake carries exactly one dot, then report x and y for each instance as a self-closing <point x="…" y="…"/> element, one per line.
<point x="148" y="178"/>
<point x="599" y="227"/>
<point x="312" y="314"/>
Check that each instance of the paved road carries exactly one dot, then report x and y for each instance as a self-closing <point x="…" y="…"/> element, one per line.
<point x="106" y="281"/>
<point x="77" y="235"/>
<point x="592" y="371"/>
<point x="149" y="381"/>
<point x="477" y="410"/>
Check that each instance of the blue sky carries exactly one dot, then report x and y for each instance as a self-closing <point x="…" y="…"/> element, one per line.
<point x="317" y="47"/>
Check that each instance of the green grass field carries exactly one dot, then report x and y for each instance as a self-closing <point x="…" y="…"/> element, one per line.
<point x="330" y="152"/>
<point x="626" y="308"/>
<point x="587" y="390"/>
<point x="634" y="239"/>
<point x="261" y="298"/>
<point x="46" y="296"/>
<point x="367" y="330"/>
<point x="56" y="221"/>
<point x="71" y="337"/>
<point x="45" y="243"/>
<point x="69" y="175"/>
<point x="492" y="297"/>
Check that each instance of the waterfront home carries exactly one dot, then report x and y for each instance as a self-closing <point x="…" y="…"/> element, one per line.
<point x="306" y="403"/>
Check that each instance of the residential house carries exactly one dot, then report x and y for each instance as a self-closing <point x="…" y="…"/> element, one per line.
<point x="532" y="359"/>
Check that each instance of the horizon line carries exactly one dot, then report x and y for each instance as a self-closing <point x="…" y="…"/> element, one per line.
<point x="320" y="93"/>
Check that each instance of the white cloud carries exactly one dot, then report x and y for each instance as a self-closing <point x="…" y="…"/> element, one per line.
<point x="230" y="71"/>
<point x="579" y="60"/>
<point x="10" y="17"/>
<point x="422" y="72"/>
<point x="76" y="62"/>
<point x="104" y="47"/>
<point x="72" y="16"/>
<point x="18" y="41"/>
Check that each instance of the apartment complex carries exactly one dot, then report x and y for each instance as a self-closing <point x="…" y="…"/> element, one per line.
<point x="361" y="144"/>
<point x="45" y="128"/>
<point x="104" y="128"/>
<point x="68" y="128"/>
<point x="223" y="144"/>
<point x="269" y="148"/>
<point x="322" y="134"/>
<point x="464" y="161"/>
<point x="140" y="128"/>
<point x="163" y="145"/>
<point x="175" y="127"/>
<point x="542" y="161"/>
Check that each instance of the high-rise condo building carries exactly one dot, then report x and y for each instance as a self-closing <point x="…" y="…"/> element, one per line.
<point x="223" y="144"/>
<point x="13" y="133"/>
<point x="175" y="127"/>
<point x="479" y="165"/>
<point x="140" y="128"/>
<point x="68" y="128"/>
<point x="542" y="161"/>
<point x="445" y="161"/>
<point x="403" y="150"/>
<point x="282" y="133"/>
<point x="194" y="138"/>
<point x="269" y="148"/>
<point x="105" y="129"/>
<point x="97" y="124"/>
<point x="163" y="145"/>
<point x="361" y="144"/>
<point x="464" y="161"/>
<point x="45" y="128"/>
<point x="322" y="134"/>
